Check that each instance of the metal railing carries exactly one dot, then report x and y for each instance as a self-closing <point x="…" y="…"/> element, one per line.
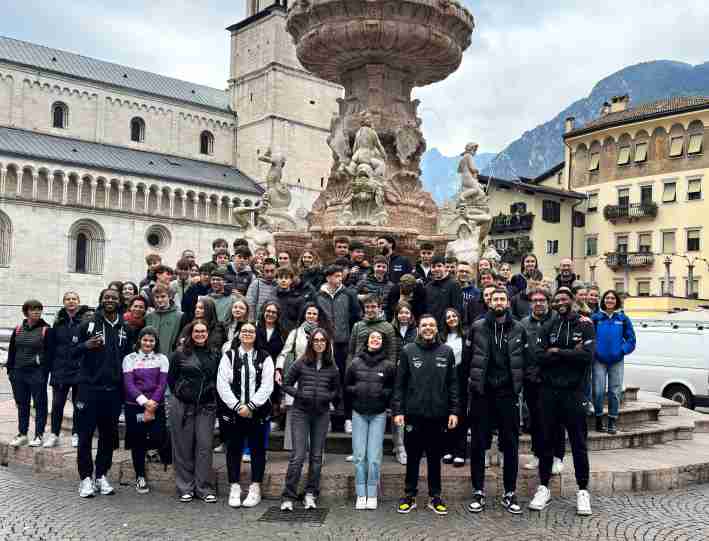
<point x="631" y="260"/>
<point x="507" y="223"/>
<point x="631" y="211"/>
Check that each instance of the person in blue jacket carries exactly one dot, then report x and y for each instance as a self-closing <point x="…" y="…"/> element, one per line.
<point x="615" y="338"/>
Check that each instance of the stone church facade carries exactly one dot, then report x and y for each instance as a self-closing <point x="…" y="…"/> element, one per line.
<point x="101" y="164"/>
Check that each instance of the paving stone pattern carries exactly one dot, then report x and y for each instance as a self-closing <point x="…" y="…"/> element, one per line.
<point x="43" y="507"/>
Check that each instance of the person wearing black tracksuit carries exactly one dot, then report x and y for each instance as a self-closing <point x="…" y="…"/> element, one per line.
<point x="65" y="368"/>
<point x="495" y="382"/>
<point x="103" y="341"/>
<point x="564" y="352"/>
<point x="442" y="292"/>
<point x="426" y="402"/>
<point x="541" y="314"/>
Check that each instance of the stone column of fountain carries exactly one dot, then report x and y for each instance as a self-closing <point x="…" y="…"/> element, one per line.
<point x="378" y="50"/>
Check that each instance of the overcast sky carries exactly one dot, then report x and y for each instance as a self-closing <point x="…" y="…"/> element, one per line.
<point x="528" y="59"/>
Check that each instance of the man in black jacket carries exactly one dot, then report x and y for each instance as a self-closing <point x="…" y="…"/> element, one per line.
<point x="496" y="376"/>
<point x="398" y="264"/>
<point x="533" y="323"/>
<point x="102" y="343"/>
<point x="564" y="352"/>
<point x="423" y="265"/>
<point x="442" y="292"/>
<point x="426" y="402"/>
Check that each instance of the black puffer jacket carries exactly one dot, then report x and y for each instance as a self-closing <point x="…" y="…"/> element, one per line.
<point x="576" y="342"/>
<point x="441" y="295"/>
<point x="510" y="337"/>
<point x="426" y="381"/>
<point x="316" y="388"/>
<point x="65" y="366"/>
<point x="193" y="377"/>
<point x="370" y="382"/>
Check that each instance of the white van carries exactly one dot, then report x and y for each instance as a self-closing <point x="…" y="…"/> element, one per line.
<point x="671" y="359"/>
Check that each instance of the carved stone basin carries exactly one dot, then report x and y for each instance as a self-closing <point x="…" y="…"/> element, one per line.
<point x="424" y="38"/>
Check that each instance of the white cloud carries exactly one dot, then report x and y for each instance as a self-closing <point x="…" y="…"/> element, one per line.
<point x="528" y="60"/>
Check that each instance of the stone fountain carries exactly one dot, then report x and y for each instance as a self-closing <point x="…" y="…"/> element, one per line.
<point x="378" y="50"/>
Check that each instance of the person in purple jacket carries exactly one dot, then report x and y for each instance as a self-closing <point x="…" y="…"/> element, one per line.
<point x="145" y="381"/>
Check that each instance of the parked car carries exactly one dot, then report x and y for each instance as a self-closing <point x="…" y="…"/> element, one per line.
<point x="671" y="359"/>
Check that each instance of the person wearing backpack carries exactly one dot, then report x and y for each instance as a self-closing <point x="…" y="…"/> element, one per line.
<point x="244" y="385"/>
<point x="28" y="364"/>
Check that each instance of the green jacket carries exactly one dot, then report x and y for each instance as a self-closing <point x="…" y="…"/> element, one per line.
<point x="167" y="323"/>
<point x="223" y="304"/>
<point x="360" y="332"/>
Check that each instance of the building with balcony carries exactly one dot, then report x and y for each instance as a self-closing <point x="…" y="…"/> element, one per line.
<point x="643" y="170"/>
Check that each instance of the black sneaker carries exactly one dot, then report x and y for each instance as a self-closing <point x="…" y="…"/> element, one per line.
<point x="612" y="426"/>
<point x="406" y="504"/>
<point x="478" y="503"/>
<point x="599" y="424"/>
<point x="438" y="506"/>
<point x="509" y="502"/>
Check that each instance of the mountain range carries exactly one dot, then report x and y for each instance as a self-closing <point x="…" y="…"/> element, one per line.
<point x="541" y="148"/>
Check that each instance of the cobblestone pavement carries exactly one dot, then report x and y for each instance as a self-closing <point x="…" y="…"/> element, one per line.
<point x="40" y="507"/>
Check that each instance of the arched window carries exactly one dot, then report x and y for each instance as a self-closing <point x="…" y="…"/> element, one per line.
<point x="60" y="115"/>
<point x="5" y="239"/>
<point x="86" y="243"/>
<point x="137" y="130"/>
<point x="206" y="143"/>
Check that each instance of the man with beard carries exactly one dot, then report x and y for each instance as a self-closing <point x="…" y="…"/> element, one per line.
<point x="533" y="323"/>
<point x="103" y="341"/>
<point x="426" y="402"/>
<point x="566" y="276"/>
<point x="398" y="264"/>
<point x="496" y="377"/>
<point x="442" y="292"/>
<point x="564" y="352"/>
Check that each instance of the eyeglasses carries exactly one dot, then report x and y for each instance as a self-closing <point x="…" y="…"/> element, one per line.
<point x="319" y="340"/>
<point x="247" y="331"/>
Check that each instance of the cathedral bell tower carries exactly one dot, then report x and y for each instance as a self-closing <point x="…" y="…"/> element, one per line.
<point x="280" y="105"/>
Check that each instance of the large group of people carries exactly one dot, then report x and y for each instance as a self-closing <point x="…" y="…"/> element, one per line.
<point x="245" y="343"/>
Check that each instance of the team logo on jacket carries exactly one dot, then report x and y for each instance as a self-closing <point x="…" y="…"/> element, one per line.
<point x="380" y="374"/>
<point x="417" y="362"/>
<point x="74" y="339"/>
<point x="80" y="405"/>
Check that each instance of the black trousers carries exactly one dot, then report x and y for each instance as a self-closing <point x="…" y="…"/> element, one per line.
<point x="424" y="435"/>
<point x="60" y="393"/>
<point x="494" y="409"/>
<point x="532" y="396"/>
<point x="456" y="440"/>
<point x="344" y="408"/>
<point x="237" y="435"/>
<point x="98" y="409"/>
<point x="563" y="408"/>
<point x="27" y="386"/>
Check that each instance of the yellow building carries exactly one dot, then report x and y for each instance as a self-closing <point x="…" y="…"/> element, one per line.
<point x="643" y="170"/>
<point x="536" y="216"/>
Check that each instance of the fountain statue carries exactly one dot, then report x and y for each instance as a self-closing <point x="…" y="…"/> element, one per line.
<point x="274" y="213"/>
<point x="379" y="51"/>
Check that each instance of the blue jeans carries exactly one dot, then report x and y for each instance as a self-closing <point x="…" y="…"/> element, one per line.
<point x="367" y="446"/>
<point x="614" y="374"/>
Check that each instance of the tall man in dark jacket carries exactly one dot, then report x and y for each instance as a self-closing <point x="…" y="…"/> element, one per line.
<point x="426" y="402"/>
<point x="398" y="264"/>
<point x="102" y="343"/>
<point x="564" y="352"/>
<point x="496" y="377"/>
<point x="342" y="309"/>
<point x="533" y="323"/>
<point x="442" y="292"/>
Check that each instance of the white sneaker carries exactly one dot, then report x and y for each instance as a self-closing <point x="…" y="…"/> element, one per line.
<point x="274" y="426"/>
<point x="219" y="448"/>
<point x="36" y="442"/>
<point x="361" y="503"/>
<point x="583" y="503"/>
<point x="246" y="457"/>
<point x="51" y="441"/>
<point x="141" y="486"/>
<point x="349" y="458"/>
<point x="401" y="457"/>
<point x="371" y="504"/>
<point x="253" y="498"/>
<point x="348" y="427"/>
<point x="86" y="488"/>
<point x="103" y="486"/>
<point x="287" y="505"/>
<point x="558" y="466"/>
<point x="541" y="499"/>
<point x="19" y="441"/>
<point x="74" y="440"/>
<point x="533" y="464"/>
<point x="310" y="502"/>
<point x="235" y="495"/>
